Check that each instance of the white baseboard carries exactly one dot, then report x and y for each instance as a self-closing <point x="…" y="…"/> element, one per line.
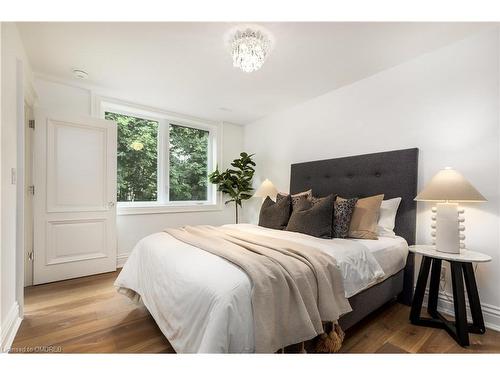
<point x="491" y="314"/>
<point x="121" y="259"/>
<point x="10" y="327"/>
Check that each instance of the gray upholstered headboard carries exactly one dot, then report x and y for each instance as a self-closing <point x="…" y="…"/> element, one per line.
<point x="393" y="173"/>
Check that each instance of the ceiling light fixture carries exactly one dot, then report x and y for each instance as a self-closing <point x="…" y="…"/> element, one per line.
<point x="80" y="74"/>
<point x="249" y="49"/>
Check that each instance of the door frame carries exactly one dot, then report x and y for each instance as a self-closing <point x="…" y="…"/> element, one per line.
<point x="28" y="196"/>
<point x="26" y="95"/>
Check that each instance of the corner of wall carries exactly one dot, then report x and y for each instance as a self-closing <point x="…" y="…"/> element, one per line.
<point x="9" y="327"/>
<point x="17" y="81"/>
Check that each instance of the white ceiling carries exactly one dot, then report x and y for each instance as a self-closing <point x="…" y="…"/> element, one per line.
<point x="186" y="68"/>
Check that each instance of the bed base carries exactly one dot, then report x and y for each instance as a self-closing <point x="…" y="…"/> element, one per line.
<point x="399" y="285"/>
<point x="371" y="299"/>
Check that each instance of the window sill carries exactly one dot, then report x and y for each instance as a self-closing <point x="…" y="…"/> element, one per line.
<point x="147" y="209"/>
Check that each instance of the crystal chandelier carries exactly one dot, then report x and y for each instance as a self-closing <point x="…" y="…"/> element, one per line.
<point x="249" y="49"/>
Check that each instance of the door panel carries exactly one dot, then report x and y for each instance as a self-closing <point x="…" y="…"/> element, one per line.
<point x="75" y="181"/>
<point x="75" y="240"/>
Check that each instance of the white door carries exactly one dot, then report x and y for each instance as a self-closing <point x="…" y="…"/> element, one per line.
<point x="75" y="195"/>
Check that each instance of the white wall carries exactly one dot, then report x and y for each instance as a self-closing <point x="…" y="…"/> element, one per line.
<point x="2" y="328"/>
<point x="60" y="96"/>
<point x="446" y="103"/>
<point x="12" y="94"/>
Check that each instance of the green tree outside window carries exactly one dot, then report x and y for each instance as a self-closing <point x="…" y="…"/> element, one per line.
<point x="137" y="158"/>
<point x="188" y="174"/>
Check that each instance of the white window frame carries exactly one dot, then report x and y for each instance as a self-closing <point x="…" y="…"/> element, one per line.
<point x="164" y="119"/>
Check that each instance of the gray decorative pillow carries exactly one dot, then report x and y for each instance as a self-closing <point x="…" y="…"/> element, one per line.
<point x="315" y="220"/>
<point x="295" y="197"/>
<point x="275" y="215"/>
<point x="342" y="215"/>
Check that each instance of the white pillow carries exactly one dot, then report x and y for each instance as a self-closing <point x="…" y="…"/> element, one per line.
<point x="387" y="217"/>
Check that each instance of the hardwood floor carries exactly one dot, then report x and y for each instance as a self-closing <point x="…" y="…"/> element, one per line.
<point x="388" y="330"/>
<point x="87" y="315"/>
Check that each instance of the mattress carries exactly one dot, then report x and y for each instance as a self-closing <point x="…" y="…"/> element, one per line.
<point x="390" y="253"/>
<point x="202" y="303"/>
<point x="359" y="272"/>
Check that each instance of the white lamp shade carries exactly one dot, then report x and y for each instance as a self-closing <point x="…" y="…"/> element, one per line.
<point x="266" y="189"/>
<point x="449" y="185"/>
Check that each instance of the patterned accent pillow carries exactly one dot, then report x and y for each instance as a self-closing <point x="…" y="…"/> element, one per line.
<point x="295" y="197"/>
<point x="364" y="217"/>
<point x="342" y="215"/>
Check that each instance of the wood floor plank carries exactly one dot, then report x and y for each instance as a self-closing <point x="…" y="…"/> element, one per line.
<point x="87" y="315"/>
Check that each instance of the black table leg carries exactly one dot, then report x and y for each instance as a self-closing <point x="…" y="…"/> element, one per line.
<point x="460" y="272"/>
<point x="461" y="326"/>
<point x="418" y="297"/>
<point x="434" y="288"/>
<point x="477" y="325"/>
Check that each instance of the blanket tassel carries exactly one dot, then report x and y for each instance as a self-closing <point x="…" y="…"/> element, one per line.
<point x="331" y="342"/>
<point x="303" y="348"/>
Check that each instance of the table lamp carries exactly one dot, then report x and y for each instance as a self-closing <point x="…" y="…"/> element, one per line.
<point x="266" y="189"/>
<point x="447" y="188"/>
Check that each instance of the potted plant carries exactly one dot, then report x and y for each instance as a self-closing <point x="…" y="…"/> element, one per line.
<point x="237" y="181"/>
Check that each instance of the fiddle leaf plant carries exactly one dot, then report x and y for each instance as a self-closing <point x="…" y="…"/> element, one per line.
<point x="236" y="182"/>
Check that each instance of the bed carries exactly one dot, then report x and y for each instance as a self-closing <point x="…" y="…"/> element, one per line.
<point x="202" y="302"/>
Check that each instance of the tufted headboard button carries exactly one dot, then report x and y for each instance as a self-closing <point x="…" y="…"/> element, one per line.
<point x="378" y="174"/>
<point x="350" y="175"/>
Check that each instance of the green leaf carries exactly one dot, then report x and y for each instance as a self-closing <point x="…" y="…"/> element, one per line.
<point x="236" y="182"/>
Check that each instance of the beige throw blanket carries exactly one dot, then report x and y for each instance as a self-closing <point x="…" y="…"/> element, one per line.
<point x="295" y="288"/>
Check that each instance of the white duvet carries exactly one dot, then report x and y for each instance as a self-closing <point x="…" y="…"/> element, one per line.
<point x="202" y="303"/>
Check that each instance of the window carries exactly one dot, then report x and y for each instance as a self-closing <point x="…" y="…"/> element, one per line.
<point x="162" y="162"/>
<point x="137" y="158"/>
<point x="188" y="155"/>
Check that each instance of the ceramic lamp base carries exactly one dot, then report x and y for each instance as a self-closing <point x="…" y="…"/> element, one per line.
<point x="447" y="228"/>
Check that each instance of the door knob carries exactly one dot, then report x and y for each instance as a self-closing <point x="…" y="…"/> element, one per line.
<point x="111" y="204"/>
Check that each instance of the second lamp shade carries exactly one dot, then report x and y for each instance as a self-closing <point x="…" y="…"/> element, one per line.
<point x="449" y="185"/>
